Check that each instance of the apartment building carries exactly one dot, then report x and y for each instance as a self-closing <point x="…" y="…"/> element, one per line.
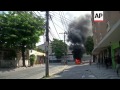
<point x="106" y="36"/>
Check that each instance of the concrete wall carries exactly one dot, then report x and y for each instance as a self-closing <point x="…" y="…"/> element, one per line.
<point x="112" y="17"/>
<point x="20" y="61"/>
<point x="99" y="30"/>
<point x="5" y="60"/>
<point x="8" y="63"/>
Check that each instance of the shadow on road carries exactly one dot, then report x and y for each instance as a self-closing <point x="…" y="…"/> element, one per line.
<point x="73" y="71"/>
<point x="7" y="69"/>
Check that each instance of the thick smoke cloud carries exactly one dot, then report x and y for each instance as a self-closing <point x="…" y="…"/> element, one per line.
<point x="78" y="31"/>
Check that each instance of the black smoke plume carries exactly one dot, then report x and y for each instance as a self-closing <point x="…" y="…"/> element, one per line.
<point x="78" y="31"/>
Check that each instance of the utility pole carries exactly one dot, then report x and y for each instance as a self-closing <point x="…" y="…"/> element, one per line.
<point x="65" y="48"/>
<point x="47" y="45"/>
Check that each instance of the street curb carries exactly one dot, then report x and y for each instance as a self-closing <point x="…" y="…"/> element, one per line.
<point x="52" y="74"/>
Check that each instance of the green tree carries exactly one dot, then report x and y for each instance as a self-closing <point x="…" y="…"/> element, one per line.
<point x="20" y="30"/>
<point x="32" y="59"/>
<point x="89" y="45"/>
<point x="59" y="48"/>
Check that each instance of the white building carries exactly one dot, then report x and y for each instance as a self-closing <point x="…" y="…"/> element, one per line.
<point x="52" y="57"/>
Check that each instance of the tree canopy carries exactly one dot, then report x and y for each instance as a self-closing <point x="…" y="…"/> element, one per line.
<point x="89" y="45"/>
<point x="59" y="48"/>
<point x="20" y="30"/>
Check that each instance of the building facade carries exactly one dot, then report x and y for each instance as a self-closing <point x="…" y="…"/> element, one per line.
<point x="106" y="37"/>
<point x="9" y="58"/>
<point x="53" y="59"/>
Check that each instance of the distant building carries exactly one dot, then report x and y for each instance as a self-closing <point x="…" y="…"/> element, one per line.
<point x="52" y="57"/>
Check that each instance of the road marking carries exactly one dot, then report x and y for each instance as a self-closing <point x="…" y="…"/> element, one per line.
<point x="83" y="76"/>
<point x="91" y="76"/>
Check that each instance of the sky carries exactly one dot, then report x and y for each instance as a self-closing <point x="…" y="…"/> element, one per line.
<point x="58" y="17"/>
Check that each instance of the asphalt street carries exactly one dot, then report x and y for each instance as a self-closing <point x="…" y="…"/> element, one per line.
<point x="36" y="72"/>
<point x="86" y="71"/>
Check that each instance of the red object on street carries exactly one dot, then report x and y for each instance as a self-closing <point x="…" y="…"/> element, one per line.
<point x="78" y="61"/>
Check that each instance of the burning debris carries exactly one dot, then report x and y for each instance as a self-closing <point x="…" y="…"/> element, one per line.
<point x="78" y="31"/>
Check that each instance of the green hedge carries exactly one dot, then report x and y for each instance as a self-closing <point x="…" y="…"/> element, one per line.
<point x="32" y="59"/>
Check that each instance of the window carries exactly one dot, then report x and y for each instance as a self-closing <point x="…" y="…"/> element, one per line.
<point x="100" y="36"/>
<point x="96" y="41"/>
<point x="108" y="26"/>
<point x="94" y="29"/>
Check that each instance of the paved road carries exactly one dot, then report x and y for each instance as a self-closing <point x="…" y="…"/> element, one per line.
<point x="85" y="71"/>
<point x="36" y="72"/>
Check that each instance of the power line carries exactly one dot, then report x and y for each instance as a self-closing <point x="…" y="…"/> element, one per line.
<point x="62" y="21"/>
<point x="58" y="25"/>
<point x="51" y="33"/>
<point x="39" y="13"/>
<point x="49" y="29"/>
<point x="57" y="19"/>
<point x="58" y="16"/>
<point x="54" y="27"/>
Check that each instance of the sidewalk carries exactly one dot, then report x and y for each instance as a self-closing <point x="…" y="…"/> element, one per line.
<point x="103" y="73"/>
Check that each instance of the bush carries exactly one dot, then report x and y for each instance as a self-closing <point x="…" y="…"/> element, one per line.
<point x="32" y="59"/>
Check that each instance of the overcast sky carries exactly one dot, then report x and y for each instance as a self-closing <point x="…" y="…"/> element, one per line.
<point x="56" y="17"/>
